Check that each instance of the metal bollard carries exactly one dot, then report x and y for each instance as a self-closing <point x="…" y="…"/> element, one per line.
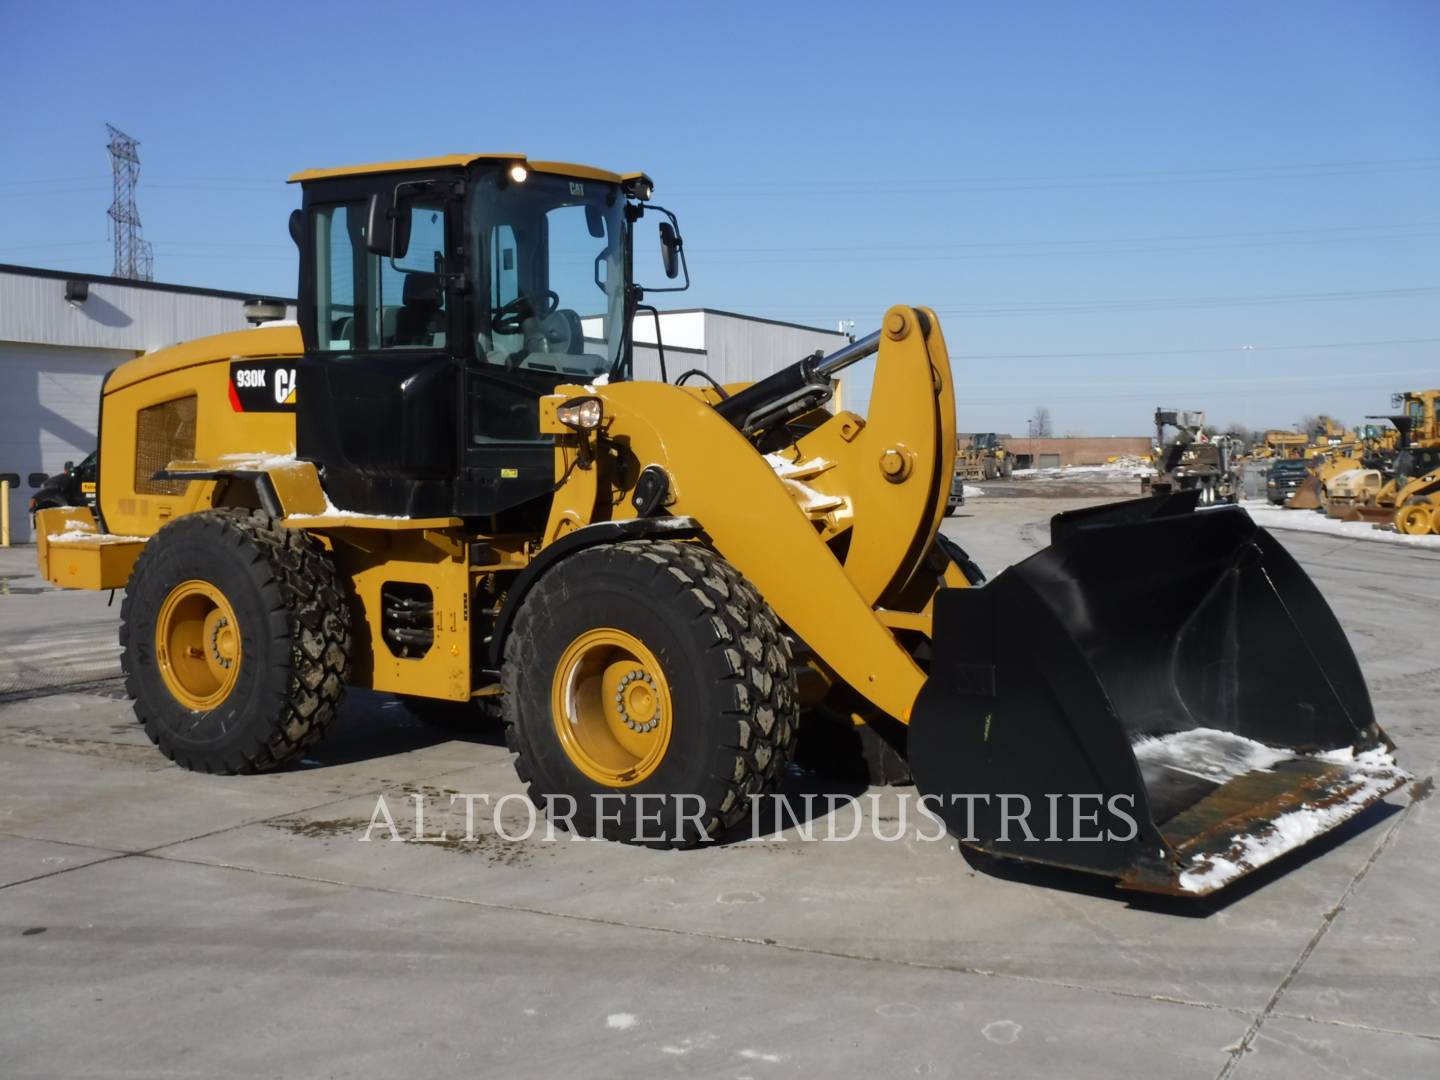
<point x="4" y="513"/>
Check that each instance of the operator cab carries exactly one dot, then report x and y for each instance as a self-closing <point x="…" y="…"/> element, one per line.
<point x="439" y="301"/>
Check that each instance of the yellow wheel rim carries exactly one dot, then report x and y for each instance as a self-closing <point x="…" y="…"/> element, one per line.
<point x="197" y="645"/>
<point x="611" y="705"/>
<point x="1414" y="520"/>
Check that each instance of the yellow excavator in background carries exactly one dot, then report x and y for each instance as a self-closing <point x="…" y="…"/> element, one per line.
<point x="444" y="484"/>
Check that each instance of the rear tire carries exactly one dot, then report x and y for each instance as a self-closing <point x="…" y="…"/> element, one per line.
<point x="704" y="671"/>
<point x="262" y="679"/>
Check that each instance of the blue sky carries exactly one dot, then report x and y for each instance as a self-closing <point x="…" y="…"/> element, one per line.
<point x="1224" y="206"/>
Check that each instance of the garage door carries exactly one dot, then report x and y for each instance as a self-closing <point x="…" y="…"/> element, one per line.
<point x="1049" y="461"/>
<point x="49" y="403"/>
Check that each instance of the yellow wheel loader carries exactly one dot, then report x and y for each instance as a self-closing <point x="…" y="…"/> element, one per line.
<point x="444" y="484"/>
<point x="984" y="457"/>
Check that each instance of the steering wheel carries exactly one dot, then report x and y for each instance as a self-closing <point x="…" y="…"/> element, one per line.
<point x="510" y="318"/>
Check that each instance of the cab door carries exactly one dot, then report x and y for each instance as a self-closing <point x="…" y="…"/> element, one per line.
<point x="379" y="394"/>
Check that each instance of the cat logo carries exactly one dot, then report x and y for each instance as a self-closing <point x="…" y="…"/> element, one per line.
<point x="262" y="386"/>
<point x="285" y="386"/>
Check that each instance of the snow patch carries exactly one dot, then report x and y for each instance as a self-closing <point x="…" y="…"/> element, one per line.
<point x="78" y="531"/>
<point x="1212" y="755"/>
<point x="807" y="497"/>
<point x="973" y="492"/>
<point x="107" y="538"/>
<point x="333" y="511"/>
<point x="1377" y="773"/>
<point x="1123" y="468"/>
<point x="258" y="462"/>
<point x="1277" y="517"/>
<point x="620" y="1021"/>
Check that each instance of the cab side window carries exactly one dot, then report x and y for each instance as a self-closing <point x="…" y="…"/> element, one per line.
<point x="366" y="302"/>
<point x="340" y="277"/>
<point x="411" y="289"/>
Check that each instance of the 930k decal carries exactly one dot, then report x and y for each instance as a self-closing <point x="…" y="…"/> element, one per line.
<point x="262" y="385"/>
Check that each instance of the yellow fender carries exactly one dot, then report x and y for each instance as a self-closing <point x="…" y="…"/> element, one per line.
<point x="717" y="478"/>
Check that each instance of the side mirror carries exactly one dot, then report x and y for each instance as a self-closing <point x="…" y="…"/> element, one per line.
<point x="297" y="227"/>
<point x="69" y="466"/>
<point x="670" y="245"/>
<point x="387" y="226"/>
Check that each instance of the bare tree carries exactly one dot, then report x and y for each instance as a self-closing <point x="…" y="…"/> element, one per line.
<point x="1040" y="426"/>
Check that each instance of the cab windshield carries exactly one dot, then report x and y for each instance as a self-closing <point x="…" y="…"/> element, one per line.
<point x="547" y="259"/>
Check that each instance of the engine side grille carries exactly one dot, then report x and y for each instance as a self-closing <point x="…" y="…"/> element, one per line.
<point x="163" y="433"/>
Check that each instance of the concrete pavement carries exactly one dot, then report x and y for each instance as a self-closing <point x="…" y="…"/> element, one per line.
<point x="159" y="923"/>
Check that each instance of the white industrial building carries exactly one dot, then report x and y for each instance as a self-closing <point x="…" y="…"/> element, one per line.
<point x="726" y="346"/>
<point x="60" y="333"/>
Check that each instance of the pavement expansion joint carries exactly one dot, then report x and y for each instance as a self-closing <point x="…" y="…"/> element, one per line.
<point x="1327" y="920"/>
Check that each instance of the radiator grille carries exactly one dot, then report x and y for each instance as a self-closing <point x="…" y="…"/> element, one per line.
<point x="163" y="433"/>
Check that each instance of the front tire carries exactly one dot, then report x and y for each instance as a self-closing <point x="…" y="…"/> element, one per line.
<point x="649" y="693"/>
<point x="236" y="641"/>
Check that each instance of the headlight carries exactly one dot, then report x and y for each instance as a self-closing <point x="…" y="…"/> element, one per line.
<point x="518" y="173"/>
<point x="582" y="414"/>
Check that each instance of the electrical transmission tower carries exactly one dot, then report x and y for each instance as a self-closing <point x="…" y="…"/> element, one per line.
<point x="133" y="257"/>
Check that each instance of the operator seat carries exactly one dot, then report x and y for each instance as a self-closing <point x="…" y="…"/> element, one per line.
<point x="564" y="333"/>
<point x="421" y="316"/>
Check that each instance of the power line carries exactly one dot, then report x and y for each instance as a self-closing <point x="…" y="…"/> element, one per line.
<point x="1168" y="238"/>
<point x="1087" y="307"/>
<point x="861" y="255"/>
<point x="1384" y="343"/>
<point x="747" y="188"/>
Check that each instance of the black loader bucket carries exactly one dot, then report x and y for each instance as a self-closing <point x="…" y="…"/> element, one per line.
<point x="1161" y="696"/>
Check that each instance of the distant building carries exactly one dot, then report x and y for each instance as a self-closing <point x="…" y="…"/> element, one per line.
<point x="1056" y="453"/>
<point x="60" y="333"/>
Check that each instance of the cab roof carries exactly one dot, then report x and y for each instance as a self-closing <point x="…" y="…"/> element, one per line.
<point x="458" y="161"/>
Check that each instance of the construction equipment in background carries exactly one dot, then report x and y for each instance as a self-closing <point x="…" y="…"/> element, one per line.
<point x="1379" y="444"/>
<point x="74" y="485"/>
<point x="1407" y="495"/>
<point x="1417" y="423"/>
<point x="1327" y="434"/>
<point x="1322" y="468"/>
<point x="1409" y="500"/>
<point x="984" y="457"/>
<point x="956" y="497"/>
<point x="1193" y="460"/>
<point x="441" y="484"/>
<point x="1280" y="444"/>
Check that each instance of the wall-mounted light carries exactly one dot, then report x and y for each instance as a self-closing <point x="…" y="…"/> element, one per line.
<point x="263" y="311"/>
<point x="76" y="291"/>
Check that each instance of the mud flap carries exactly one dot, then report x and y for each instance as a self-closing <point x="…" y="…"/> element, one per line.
<point x="1161" y="696"/>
